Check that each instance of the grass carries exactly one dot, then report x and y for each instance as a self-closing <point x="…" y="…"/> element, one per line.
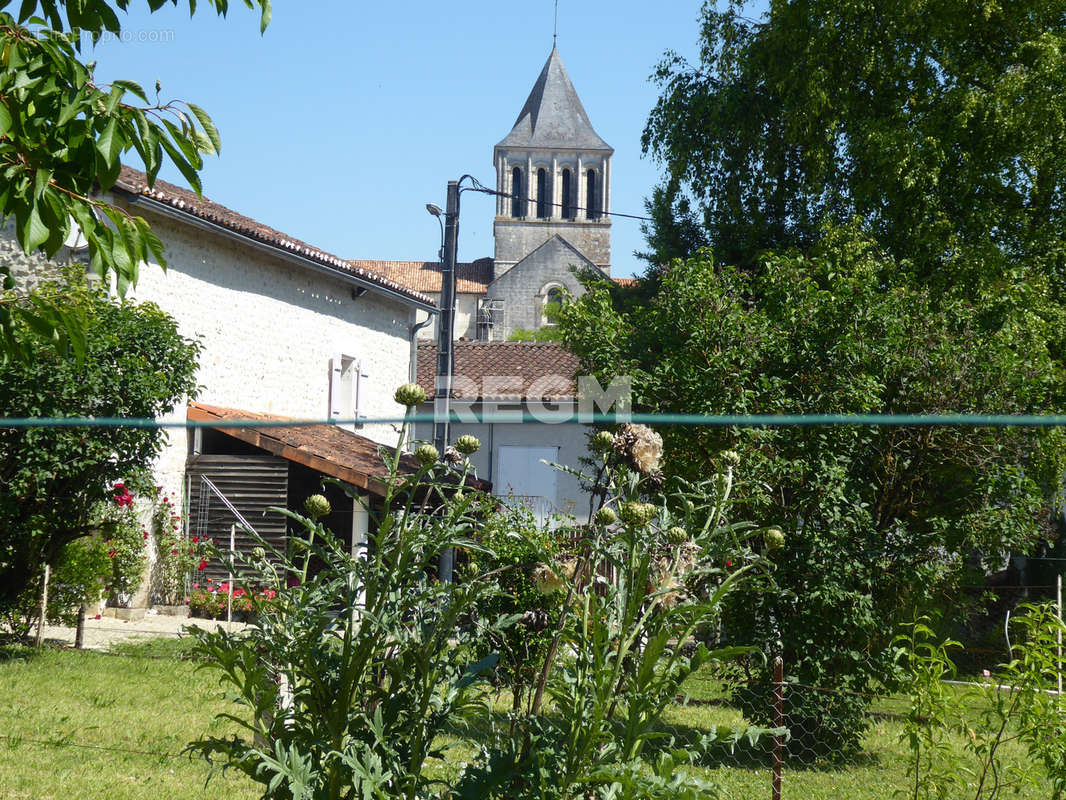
<point x="94" y="726"/>
<point x="87" y="725"/>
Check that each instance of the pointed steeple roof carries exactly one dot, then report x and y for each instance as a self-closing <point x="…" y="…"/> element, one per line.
<point x="553" y="116"/>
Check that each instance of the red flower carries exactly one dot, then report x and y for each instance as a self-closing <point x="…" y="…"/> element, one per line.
<point x="174" y="552"/>
<point x="203" y="565"/>
<point x="195" y="539"/>
<point x="146" y="534"/>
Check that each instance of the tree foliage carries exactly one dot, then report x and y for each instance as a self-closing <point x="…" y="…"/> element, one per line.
<point x="936" y="123"/>
<point x="63" y="137"/>
<point x="876" y="518"/>
<point x="52" y="479"/>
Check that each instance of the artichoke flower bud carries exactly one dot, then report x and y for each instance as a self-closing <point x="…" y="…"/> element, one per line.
<point x="731" y="458"/>
<point x="676" y="535"/>
<point x="467" y="444"/>
<point x="602" y="442"/>
<point x="637" y="514"/>
<point x="773" y="539"/>
<point x="427" y="455"/>
<point x="317" y="506"/>
<point x="410" y="395"/>
<point x="606" y="516"/>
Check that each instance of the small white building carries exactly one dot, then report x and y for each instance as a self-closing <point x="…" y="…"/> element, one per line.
<point x="516" y="457"/>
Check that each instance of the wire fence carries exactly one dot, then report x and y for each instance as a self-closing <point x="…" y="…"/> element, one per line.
<point x="725" y="719"/>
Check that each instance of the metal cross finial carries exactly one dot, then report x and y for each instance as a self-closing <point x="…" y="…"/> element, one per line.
<point x="555" y="31"/>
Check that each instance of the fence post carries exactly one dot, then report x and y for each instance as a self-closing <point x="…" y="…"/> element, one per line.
<point x="44" y="606"/>
<point x="1058" y="633"/>
<point x="779" y="722"/>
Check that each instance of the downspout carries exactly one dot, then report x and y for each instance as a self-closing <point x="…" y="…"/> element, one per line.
<point x="412" y="374"/>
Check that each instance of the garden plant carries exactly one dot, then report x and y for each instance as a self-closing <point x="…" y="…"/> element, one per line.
<point x="357" y="681"/>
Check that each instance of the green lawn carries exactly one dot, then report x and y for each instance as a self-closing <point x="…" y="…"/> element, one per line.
<point x="147" y="699"/>
<point x="59" y="698"/>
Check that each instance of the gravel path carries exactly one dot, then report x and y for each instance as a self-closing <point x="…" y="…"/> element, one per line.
<point x="101" y="633"/>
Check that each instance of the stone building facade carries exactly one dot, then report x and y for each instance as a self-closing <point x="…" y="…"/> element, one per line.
<point x="553" y="178"/>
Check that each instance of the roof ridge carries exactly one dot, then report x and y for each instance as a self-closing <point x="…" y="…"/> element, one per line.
<point x="135" y="182"/>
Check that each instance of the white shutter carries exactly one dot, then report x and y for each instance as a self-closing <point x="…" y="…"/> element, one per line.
<point x="362" y="389"/>
<point x="336" y="387"/>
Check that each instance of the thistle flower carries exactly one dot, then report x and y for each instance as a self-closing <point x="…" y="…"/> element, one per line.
<point x="606" y="516"/>
<point x="640" y="447"/>
<point x="467" y="445"/>
<point x="731" y="458"/>
<point x="410" y="395"/>
<point x="427" y="455"/>
<point x="546" y="580"/>
<point x="317" y="506"/>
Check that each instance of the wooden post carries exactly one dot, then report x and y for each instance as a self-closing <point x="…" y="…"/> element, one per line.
<point x="79" y="636"/>
<point x="779" y="722"/>
<point x="44" y="606"/>
<point x="1058" y="633"/>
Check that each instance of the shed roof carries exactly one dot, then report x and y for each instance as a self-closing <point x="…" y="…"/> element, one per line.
<point x="328" y="449"/>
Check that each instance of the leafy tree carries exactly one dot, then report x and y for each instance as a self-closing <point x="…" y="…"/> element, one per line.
<point x="52" y="479"/>
<point x="876" y="519"/>
<point x="62" y="138"/>
<point x="936" y="123"/>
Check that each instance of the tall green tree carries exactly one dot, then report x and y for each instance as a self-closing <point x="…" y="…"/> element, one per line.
<point x="63" y="137"/>
<point x="52" y="479"/>
<point x="877" y="520"/>
<point x="938" y="124"/>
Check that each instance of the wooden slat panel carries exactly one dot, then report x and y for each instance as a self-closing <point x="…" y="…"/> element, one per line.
<point x="252" y="484"/>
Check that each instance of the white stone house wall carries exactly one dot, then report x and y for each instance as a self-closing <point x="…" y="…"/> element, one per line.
<point x="269" y="329"/>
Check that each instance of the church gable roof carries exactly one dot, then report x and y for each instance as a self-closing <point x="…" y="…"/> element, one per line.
<point x="553" y="116"/>
<point x="552" y="256"/>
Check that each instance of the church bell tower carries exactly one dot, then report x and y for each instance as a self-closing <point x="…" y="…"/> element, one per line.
<point x="553" y="172"/>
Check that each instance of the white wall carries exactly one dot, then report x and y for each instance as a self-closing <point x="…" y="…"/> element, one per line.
<point x="571" y="438"/>
<point x="465" y="316"/>
<point x="269" y="329"/>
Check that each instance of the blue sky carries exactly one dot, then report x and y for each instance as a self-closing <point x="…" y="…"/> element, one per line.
<point x="345" y="118"/>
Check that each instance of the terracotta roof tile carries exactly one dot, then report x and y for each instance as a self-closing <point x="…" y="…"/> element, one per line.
<point x="135" y="182"/>
<point x="540" y="370"/>
<point x="425" y="276"/>
<point x="327" y="449"/>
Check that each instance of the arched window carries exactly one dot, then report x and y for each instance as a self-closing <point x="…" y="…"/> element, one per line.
<point x="568" y="206"/>
<point x="518" y="198"/>
<point x="542" y="194"/>
<point x="592" y="203"/>
<point x="552" y="297"/>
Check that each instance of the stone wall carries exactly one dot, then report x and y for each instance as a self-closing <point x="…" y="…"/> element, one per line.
<point x="517" y="238"/>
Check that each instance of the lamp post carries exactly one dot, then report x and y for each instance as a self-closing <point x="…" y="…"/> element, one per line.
<point x="445" y="338"/>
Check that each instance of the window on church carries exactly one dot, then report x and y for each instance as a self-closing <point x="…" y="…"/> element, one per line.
<point x="553" y="300"/>
<point x="543" y="206"/>
<point x="568" y="206"/>
<point x="592" y="204"/>
<point x="518" y="198"/>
